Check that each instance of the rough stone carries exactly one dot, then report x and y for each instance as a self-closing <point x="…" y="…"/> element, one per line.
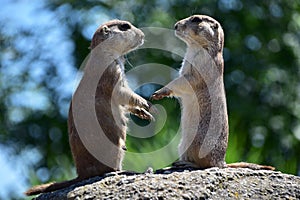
<point x="213" y="183"/>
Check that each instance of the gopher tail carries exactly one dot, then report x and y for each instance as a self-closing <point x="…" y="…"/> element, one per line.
<point x="49" y="187"/>
<point x="250" y="166"/>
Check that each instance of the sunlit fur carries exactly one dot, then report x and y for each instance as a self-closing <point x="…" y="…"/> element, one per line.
<point x="201" y="92"/>
<point x="200" y="87"/>
<point x="204" y="38"/>
<point x="113" y="99"/>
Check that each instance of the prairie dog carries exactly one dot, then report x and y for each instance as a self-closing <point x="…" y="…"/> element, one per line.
<point x="113" y="98"/>
<point x="200" y="87"/>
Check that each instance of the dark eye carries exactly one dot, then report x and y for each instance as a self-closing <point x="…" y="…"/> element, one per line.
<point x="124" y="27"/>
<point x="196" y="20"/>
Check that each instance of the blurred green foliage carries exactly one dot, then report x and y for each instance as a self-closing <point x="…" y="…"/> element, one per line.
<point x="262" y="80"/>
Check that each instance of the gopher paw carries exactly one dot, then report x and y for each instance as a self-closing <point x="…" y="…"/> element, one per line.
<point x="160" y="94"/>
<point x="140" y="102"/>
<point x="141" y="113"/>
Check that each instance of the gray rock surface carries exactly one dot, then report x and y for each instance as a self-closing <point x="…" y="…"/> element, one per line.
<point x="213" y="183"/>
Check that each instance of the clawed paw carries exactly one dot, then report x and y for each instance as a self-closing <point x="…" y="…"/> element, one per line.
<point x="160" y="94"/>
<point x="140" y="102"/>
<point x="141" y="113"/>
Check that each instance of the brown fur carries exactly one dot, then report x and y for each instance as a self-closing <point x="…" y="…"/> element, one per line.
<point x="200" y="87"/>
<point x="113" y="98"/>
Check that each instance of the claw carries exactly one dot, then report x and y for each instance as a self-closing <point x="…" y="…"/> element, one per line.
<point x="140" y="102"/>
<point x="141" y="113"/>
<point x="160" y="94"/>
<point x="154" y="96"/>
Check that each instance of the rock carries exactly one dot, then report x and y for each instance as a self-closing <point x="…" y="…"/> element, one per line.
<point x="213" y="183"/>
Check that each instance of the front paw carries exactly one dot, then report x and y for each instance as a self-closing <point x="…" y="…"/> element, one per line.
<point x="160" y="94"/>
<point x="141" y="113"/>
<point x="140" y="102"/>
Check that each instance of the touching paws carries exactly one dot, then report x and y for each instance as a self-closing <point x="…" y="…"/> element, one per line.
<point x="141" y="113"/>
<point x="160" y="94"/>
<point x="139" y="102"/>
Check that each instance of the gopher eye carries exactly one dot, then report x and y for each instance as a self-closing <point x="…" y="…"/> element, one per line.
<point x="124" y="27"/>
<point x="196" y="20"/>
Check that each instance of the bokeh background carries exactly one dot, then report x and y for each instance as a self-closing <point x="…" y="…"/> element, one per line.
<point x="44" y="42"/>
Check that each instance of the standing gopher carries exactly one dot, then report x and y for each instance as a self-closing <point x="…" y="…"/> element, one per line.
<point x="108" y="98"/>
<point x="200" y="87"/>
